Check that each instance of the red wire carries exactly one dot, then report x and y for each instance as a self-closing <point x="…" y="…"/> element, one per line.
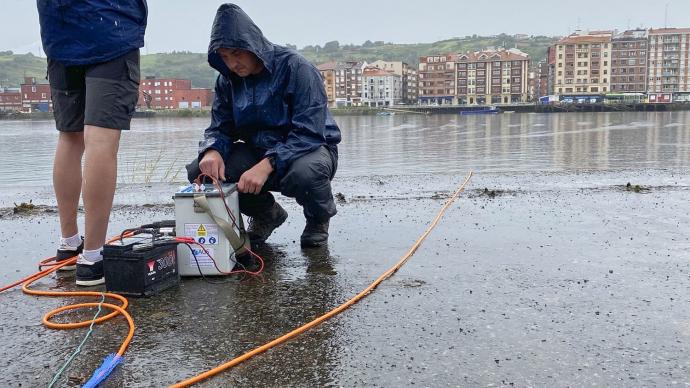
<point x="218" y="187"/>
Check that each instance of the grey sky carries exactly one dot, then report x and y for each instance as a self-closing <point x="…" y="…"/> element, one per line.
<point x="185" y="24"/>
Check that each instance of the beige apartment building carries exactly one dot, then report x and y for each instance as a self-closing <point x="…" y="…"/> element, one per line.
<point x="492" y="77"/>
<point x="327" y="71"/>
<point x="408" y="75"/>
<point x="668" y="62"/>
<point x="629" y="62"/>
<point x="583" y="64"/>
<point x="437" y="79"/>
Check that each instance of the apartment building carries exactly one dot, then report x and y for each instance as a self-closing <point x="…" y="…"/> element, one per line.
<point x="668" y="62"/>
<point x="348" y="83"/>
<point x="327" y="71"/>
<point x="381" y="87"/>
<point x="492" y="77"/>
<point x="408" y="75"/>
<point x="541" y="87"/>
<point x="437" y="79"/>
<point x="629" y="62"/>
<point x="583" y="64"/>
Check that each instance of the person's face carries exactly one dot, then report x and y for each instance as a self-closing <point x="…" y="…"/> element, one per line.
<point x="240" y="62"/>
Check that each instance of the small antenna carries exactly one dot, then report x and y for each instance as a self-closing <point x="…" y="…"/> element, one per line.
<point x="666" y="16"/>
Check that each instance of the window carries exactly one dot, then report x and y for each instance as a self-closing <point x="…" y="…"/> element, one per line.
<point x="33" y="89"/>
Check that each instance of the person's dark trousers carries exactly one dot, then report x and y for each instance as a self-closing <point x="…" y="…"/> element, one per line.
<point x="308" y="180"/>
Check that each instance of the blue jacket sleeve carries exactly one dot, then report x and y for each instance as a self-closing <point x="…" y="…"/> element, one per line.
<point x="309" y="104"/>
<point x="217" y="135"/>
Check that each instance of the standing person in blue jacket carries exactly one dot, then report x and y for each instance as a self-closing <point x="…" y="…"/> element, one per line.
<point x="93" y="69"/>
<point x="270" y="129"/>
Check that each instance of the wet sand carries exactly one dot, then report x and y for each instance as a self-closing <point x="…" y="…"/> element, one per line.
<point x="563" y="279"/>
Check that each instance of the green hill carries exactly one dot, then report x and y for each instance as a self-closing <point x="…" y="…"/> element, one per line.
<point x="194" y="66"/>
<point x="535" y="46"/>
<point x="13" y="68"/>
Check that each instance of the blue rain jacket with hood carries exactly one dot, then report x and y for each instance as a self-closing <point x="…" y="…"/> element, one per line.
<point x="78" y="32"/>
<point x="281" y="111"/>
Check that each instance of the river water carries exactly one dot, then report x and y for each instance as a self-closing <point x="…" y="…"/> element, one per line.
<point x="156" y="150"/>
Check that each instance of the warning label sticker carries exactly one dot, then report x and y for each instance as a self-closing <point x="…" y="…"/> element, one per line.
<point x="202" y="258"/>
<point x="206" y="234"/>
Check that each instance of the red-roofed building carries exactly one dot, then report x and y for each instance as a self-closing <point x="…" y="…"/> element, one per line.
<point x="35" y="96"/>
<point x="492" y="77"/>
<point x="10" y="100"/>
<point x="380" y="87"/>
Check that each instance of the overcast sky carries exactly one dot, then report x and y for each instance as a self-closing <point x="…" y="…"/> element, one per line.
<point x="185" y="24"/>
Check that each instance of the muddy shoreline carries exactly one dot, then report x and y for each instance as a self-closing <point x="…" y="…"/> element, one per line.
<point x="563" y="279"/>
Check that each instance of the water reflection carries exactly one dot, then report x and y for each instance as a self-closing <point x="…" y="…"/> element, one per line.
<point x="155" y="150"/>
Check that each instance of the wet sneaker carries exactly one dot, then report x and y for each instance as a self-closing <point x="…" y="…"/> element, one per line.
<point x="261" y="226"/>
<point x="315" y="234"/>
<point x="88" y="273"/>
<point x="66" y="252"/>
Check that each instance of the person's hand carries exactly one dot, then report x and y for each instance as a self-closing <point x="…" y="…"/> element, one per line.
<point x="212" y="164"/>
<point x="252" y="181"/>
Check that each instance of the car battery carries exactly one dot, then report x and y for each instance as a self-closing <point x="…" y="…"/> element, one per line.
<point x="138" y="266"/>
<point x="192" y="220"/>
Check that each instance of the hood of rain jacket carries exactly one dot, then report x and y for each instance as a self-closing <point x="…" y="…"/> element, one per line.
<point x="282" y="111"/>
<point x="78" y="32"/>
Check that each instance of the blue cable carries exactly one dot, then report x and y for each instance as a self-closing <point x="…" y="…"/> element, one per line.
<point x="88" y="334"/>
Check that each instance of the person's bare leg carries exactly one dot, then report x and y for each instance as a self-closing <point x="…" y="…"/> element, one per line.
<point x="67" y="179"/>
<point x="100" y="178"/>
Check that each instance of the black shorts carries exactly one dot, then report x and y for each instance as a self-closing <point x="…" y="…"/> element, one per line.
<point x="103" y="94"/>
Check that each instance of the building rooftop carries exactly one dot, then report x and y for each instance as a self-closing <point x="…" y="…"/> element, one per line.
<point x="669" y="31"/>
<point x="501" y="54"/>
<point x="375" y="71"/>
<point x="631" y="34"/>
<point x="327" y="66"/>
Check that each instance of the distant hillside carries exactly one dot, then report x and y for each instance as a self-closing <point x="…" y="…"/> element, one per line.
<point x="535" y="46"/>
<point x="194" y="66"/>
<point x="13" y="68"/>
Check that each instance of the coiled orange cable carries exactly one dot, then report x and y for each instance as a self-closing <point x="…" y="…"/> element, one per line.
<point x="53" y="266"/>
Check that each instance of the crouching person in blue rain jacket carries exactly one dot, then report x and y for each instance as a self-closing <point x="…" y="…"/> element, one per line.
<point x="270" y="129"/>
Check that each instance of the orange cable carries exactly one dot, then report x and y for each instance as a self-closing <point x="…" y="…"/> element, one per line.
<point x="27" y="281"/>
<point x="335" y="311"/>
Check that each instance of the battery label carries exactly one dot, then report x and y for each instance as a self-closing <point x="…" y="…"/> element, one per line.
<point x="201" y="257"/>
<point x="206" y="234"/>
